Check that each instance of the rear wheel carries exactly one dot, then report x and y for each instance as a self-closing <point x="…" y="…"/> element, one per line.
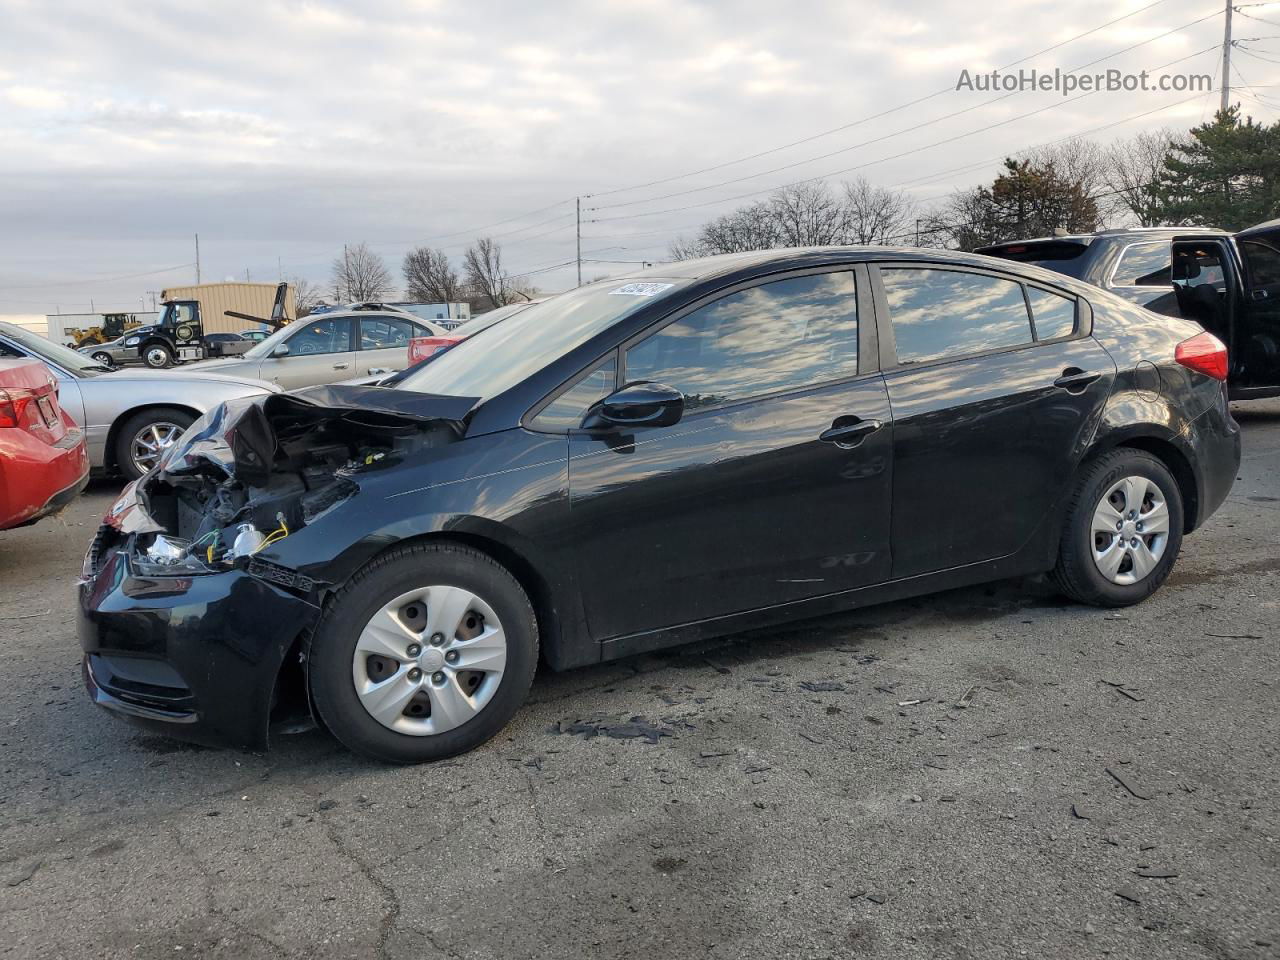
<point x="144" y="438"/>
<point x="157" y="356"/>
<point x="1123" y="530"/>
<point x="424" y="654"/>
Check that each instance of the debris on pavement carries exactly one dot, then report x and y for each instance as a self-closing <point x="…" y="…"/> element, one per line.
<point x="1154" y="873"/>
<point x="822" y="686"/>
<point x="23" y="874"/>
<point x="1127" y="893"/>
<point x="634" y="729"/>
<point x="1129" y="784"/>
<point x="967" y="699"/>
<point x="1081" y="812"/>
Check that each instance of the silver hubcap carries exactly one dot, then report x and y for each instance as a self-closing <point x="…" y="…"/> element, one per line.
<point x="1130" y="530"/>
<point x="429" y="660"/>
<point x="150" y="443"/>
<point x="157" y="357"/>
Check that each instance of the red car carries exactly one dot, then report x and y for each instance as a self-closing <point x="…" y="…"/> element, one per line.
<point x="43" y="463"/>
<point x="420" y="348"/>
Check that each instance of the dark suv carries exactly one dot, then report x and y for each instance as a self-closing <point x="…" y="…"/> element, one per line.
<point x="1228" y="283"/>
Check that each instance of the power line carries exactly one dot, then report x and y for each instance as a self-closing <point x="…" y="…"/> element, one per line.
<point x="78" y="283"/>
<point x="897" y="156"/>
<point x="867" y="119"/>
<point x="897" y="133"/>
<point x="1274" y="23"/>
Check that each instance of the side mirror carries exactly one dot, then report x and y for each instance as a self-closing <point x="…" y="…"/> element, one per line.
<point x="281" y="350"/>
<point x="643" y="404"/>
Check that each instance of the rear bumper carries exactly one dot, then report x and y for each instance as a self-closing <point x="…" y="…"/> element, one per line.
<point x="1214" y="439"/>
<point x="37" y="479"/>
<point x="195" y="658"/>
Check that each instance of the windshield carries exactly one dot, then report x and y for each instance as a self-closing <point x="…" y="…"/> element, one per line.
<point x="487" y="320"/>
<point x="263" y="348"/>
<point x="46" y="349"/>
<point x="525" y="343"/>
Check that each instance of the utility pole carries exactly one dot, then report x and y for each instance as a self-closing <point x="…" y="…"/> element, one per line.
<point x="1226" y="61"/>
<point x="577" y="207"/>
<point x="197" y="259"/>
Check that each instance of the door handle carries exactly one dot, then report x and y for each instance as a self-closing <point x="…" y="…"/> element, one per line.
<point x="848" y="435"/>
<point x="340" y="366"/>
<point x="1074" y="379"/>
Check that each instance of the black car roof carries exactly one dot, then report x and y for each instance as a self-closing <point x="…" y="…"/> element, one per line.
<point x="1261" y="228"/>
<point x="704" y="268"/>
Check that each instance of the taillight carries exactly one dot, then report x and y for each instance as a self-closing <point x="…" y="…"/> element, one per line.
<point x="1203" y="353"/>
<point x="12" y="404"/>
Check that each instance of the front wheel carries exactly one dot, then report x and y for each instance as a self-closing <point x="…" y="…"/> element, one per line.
<point x="1123" y="530"/>
<point x="102" y="358"/>
<point x="424" y="654"/>
<point x="146" y="436"/>
<point x="157" y="356"/>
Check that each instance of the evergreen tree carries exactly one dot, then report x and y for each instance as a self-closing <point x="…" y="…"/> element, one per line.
<point x="1227" y="174"/>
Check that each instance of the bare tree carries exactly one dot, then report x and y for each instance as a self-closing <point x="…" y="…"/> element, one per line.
<point x="1133" y="169"/>
<point x="809" y="215"/>
<point x="306" y="295"/>
<point x="429" y="277"/>
<point x="875" y="214"/>
<point x="360" y="274"/>
<point x="485" y="275"/>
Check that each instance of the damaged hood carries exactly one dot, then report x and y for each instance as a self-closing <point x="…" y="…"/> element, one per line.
<point x="240" y="437"/>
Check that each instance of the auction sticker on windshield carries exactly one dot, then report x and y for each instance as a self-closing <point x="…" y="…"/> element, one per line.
<point x="641" y="289"/>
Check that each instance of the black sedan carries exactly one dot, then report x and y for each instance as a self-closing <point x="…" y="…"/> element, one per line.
<point x="705" y="447"/>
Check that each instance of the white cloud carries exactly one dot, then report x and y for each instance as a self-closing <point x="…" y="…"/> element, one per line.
<point x="284" y="128"/>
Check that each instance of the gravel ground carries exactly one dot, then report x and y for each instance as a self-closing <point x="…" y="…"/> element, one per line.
<point x="988" y="772"/>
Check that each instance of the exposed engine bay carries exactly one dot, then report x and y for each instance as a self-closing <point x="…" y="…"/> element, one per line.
<point x="255" y="471"/>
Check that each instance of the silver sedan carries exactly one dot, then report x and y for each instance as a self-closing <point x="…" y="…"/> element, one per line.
<point x="129" y="416"/>
<point x="112" y="353"/>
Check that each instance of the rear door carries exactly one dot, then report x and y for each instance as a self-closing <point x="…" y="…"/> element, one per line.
<point x="773" y="487"/>
<point x="991" y="412"/>
<point x="1207" y="284"/>
<point x="319" y="352"/>
<point x="383" y="343"/>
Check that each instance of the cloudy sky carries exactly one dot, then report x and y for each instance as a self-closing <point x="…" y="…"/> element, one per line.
<point x="279" y="130"/>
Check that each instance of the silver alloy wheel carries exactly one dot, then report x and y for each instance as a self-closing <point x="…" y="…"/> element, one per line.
<point x="157" y="357"/>
<point x="150" y="443"/>
<point x="1130" y="530"/>
<point x="103" y="358"/>
<point x="429" y="660"/>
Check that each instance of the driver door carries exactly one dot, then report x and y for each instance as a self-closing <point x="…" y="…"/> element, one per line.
<point x="320" y="351"/>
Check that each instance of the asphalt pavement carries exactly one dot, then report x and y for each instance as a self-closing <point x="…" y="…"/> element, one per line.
<point x="990" y="772"/>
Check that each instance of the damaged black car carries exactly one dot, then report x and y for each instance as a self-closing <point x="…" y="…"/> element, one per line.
<point x="709" y="446"/>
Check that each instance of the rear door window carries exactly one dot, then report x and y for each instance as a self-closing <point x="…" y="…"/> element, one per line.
<point x="1054" y="315"/>
<point x="377" y="333"/>
<point x="1143" y="265"/>
<point x="948" y="313"/>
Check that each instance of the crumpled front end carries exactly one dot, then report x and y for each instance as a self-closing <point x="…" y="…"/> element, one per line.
<point x="184" y="619"/>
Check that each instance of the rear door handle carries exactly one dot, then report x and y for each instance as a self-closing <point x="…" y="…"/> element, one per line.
<point x="340" y="366"/>
<point x="1075" y="379"/>
<point x="849" y="435"/>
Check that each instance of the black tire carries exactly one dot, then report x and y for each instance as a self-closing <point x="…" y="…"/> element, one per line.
<point x="102" y="358"/>
<point x="1076" y="573"/>
<point x="399" y="571"/>
<point x="138" y="422"/>
<point x="157" y="356"/>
